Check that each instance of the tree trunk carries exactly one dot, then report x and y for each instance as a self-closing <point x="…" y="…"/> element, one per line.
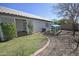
<point x="74" y="29"/>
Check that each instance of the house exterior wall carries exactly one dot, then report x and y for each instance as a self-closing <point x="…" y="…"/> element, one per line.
<point x="39" y="24"/>
<point x="10" y="19"/>
<point x="19" y="25"/>
<point x="1" y="33"/>
<point x="7" y="19"/>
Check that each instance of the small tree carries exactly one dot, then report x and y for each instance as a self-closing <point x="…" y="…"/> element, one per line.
<point x="69" y="10"/>
<point x="30" y="27"/>
<point x="9" y="30"/>
<point x="61" y="22"/>
<point x="64" y="21"/>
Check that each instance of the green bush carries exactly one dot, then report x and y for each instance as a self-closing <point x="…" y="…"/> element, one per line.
<point x="9" y="30"/>
<point x="30" y="27"/>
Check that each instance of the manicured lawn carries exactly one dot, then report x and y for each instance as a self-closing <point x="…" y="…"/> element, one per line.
<point x="25" y="45"/>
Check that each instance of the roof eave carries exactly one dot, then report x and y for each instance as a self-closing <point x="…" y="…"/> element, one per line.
<point x="3" y="13"/>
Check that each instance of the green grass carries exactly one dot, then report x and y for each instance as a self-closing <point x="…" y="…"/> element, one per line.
<point x="25" y="45"/>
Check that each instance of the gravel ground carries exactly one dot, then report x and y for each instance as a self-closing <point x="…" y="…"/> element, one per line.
<point x="62" y="45"/>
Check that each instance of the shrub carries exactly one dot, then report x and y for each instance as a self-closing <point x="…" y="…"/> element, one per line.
<point x="9" y="30"/>
<point x="30" y="27"/>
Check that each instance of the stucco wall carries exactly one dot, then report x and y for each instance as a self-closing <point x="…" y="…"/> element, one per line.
<point x="19" y="25"/>
<point x="8" y="19"/>
<point x="38" y="25"/>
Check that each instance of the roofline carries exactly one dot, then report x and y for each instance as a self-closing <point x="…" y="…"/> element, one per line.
<point x="22" y="15"/>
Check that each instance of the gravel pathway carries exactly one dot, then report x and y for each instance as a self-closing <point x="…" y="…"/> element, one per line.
<point x="62" y="45"/>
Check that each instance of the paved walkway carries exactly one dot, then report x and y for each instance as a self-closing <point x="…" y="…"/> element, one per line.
<point x="61" y="45"/>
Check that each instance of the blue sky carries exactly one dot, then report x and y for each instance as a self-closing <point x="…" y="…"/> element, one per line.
<point x="40" y="9"/>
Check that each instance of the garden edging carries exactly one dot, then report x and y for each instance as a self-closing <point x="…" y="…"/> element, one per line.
<point x="41" y="49"/>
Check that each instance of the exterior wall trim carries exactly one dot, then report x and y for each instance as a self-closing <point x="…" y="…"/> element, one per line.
<point x="2" y="37"/>
<point x="15" y="25"/>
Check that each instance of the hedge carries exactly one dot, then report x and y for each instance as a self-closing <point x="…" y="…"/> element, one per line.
<point x="9" y="30"/>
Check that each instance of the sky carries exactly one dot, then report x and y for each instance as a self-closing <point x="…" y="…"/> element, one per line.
<point x="44" y="10"/>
